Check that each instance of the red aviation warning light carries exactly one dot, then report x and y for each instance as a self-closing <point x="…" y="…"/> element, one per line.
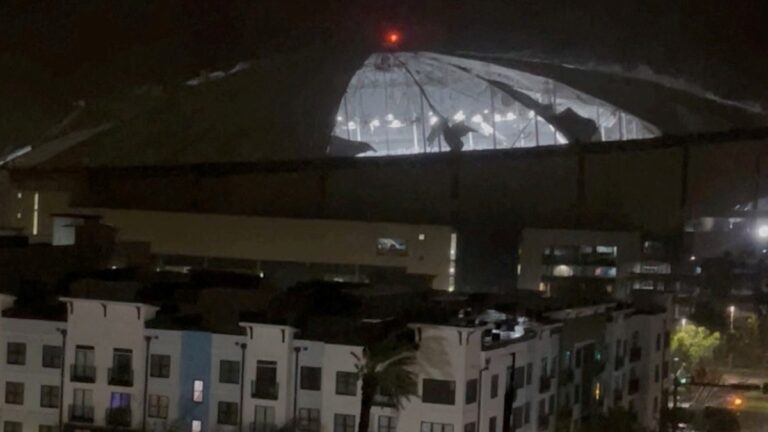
<point x="392" y="38"/>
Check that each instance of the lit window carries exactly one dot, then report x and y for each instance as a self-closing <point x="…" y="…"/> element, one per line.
<point x="197" y="391"/>
<point x="35" y="215"/>
<point x="391" y="246"/>
<point x="197" y="426"/>
<point x="18" y="195"/>
<point x="562" y="271"/>
<point x="422" y="236"/>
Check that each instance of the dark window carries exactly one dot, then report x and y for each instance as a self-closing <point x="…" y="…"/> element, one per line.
<point x="264" y="420"/>
<point x="229" y="372"/>
<point x="49" y="396"/>
<point x="517" y="418"/>
<point x="470" y="427"/>
<point x="438" y="391"/>
<point x="656" y="374"/>
<point x="492" y="424"/>
<point x="227" y="413"/>
<point x="17" y="353"/>
<point x="579" y="354"/>
<point x="494" y="386"/>
<point x="309" y="420"/>
<point x="387" y="424"/>
<point x="436" y="427"/>
<point x="529" y="374"/>
<point x="52" y="356"/>
<point x="343" y="423"/>
<point x="160" y="366"/>
<point x="14" y="393"/>
<point x="527" y="413"/>
<point x="265" y="385"/>
<point x="158" y="406"/>
<point x="311" y="378"/>
<point x="520" y="378"/>
<point x="471" y="394"/>
<point x="12" y="426"/>
<point x="658" y="341"/>
<point x="346" y="383"/>
<point x="551" y="403"/>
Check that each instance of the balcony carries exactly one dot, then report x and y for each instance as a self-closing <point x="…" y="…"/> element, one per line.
<point x="545" y="383"/>
<point x="634" y="354"/>
<point x="384" y="401"/>
<point x="262" y="427"/>
<point x="260" y="390"/>
<point x="80" y="414"/>
<point x="543" y="422"/>
<point x="82" y="373"/>
<point x="634" y="385"/>
<point x="118" y="417"/>
<point x="566" y="377"/>
<point x="619" y="363"/>
<point x="120" y="377"/>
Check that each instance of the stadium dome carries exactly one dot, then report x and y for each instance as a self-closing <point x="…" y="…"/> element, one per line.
<point x="420" y="102"/>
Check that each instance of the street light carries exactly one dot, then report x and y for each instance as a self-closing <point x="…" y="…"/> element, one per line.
<point x="762" y="231"/>
<point x="732" y="310"/>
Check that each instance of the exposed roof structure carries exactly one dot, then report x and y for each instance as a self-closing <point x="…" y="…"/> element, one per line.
<point x="315" y="103"/>
<point x="400" y="103"/>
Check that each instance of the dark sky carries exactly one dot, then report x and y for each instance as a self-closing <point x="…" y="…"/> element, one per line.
<point x="55" y="51"/>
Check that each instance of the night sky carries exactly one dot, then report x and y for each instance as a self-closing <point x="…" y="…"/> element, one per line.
<point x="55" y="52"/>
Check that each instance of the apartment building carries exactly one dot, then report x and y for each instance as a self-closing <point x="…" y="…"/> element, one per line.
<point x="117" y="365"/>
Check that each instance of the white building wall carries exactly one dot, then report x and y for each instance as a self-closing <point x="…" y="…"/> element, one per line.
<point x="33" y="334"/>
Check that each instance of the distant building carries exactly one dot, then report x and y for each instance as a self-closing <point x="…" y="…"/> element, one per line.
<point x="121" y="366"/>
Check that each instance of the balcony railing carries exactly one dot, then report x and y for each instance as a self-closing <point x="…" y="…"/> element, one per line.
<point x="120" y="417"/>
<point x="120" y="377"/>
<point x="384" y="401"/>
<point x="264" y="390"/>
<point x="566" y="377"/>
<point x="634" y="354"/>
<point x="545" y="383"/>
<point x="634" y="386"/>
<point x="262" y="427"/>
<point x="81" y="414"/>
<point x="82" y="373"/>
<point x="619" y="363"/>
<point x="543" y="422"/>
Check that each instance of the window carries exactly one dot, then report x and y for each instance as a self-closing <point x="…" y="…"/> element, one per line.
<point x="229" y="372"/>
<point x="198" y="387"/>
<point x="227" y="413"/>
<point x="471" y="394"/>
<point x="346" y="383"/>
<point x="519" y="379"/>
<point x="158" y="406"/>
<point x="517" y="418"/>
<point x="658" y="342"/>
<point x="14" y="393"/>
<point x="309" y="420"/>
<point x="12" y="426"/>
<point x="264" y="419"/>
<point x="265" y="385"/>
<point x="494" y="386"/>
<point x="438" y="391"/>
<point x="436" y="427"/>
<point x="197" y="426"/>
<point x="579" y="354"/>
<point x="52" y="356"/>
<point x="83" y="369"/>
<point x="17" y="353"/>
<point x="47" y="428"/>
<point x="310" y="378"/>
<point x="529" y="374"/>
<point x="492" y="424"/>
<point x="160" y="366"/>
<point x="527" y="413"/>
<point x="470" y="427"/>
<point x="49" y="396"/>
<point x="544" y="366"/>
<point x="656" y="374"/>
<point x="391" y="246"/>
<point x="387" y="424"/>
<point x="343" y="423"/>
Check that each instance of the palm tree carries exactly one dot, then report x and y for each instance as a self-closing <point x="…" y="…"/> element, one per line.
<point x="384" y="370"/>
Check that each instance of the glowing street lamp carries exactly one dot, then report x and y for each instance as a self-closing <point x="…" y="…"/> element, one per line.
<point x="732" y="310"/>
<point x="762" y="231"/>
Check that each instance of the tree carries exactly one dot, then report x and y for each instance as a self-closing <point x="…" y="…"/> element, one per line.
<point x="693" y="344"/>
<point x="384" y="370"/>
